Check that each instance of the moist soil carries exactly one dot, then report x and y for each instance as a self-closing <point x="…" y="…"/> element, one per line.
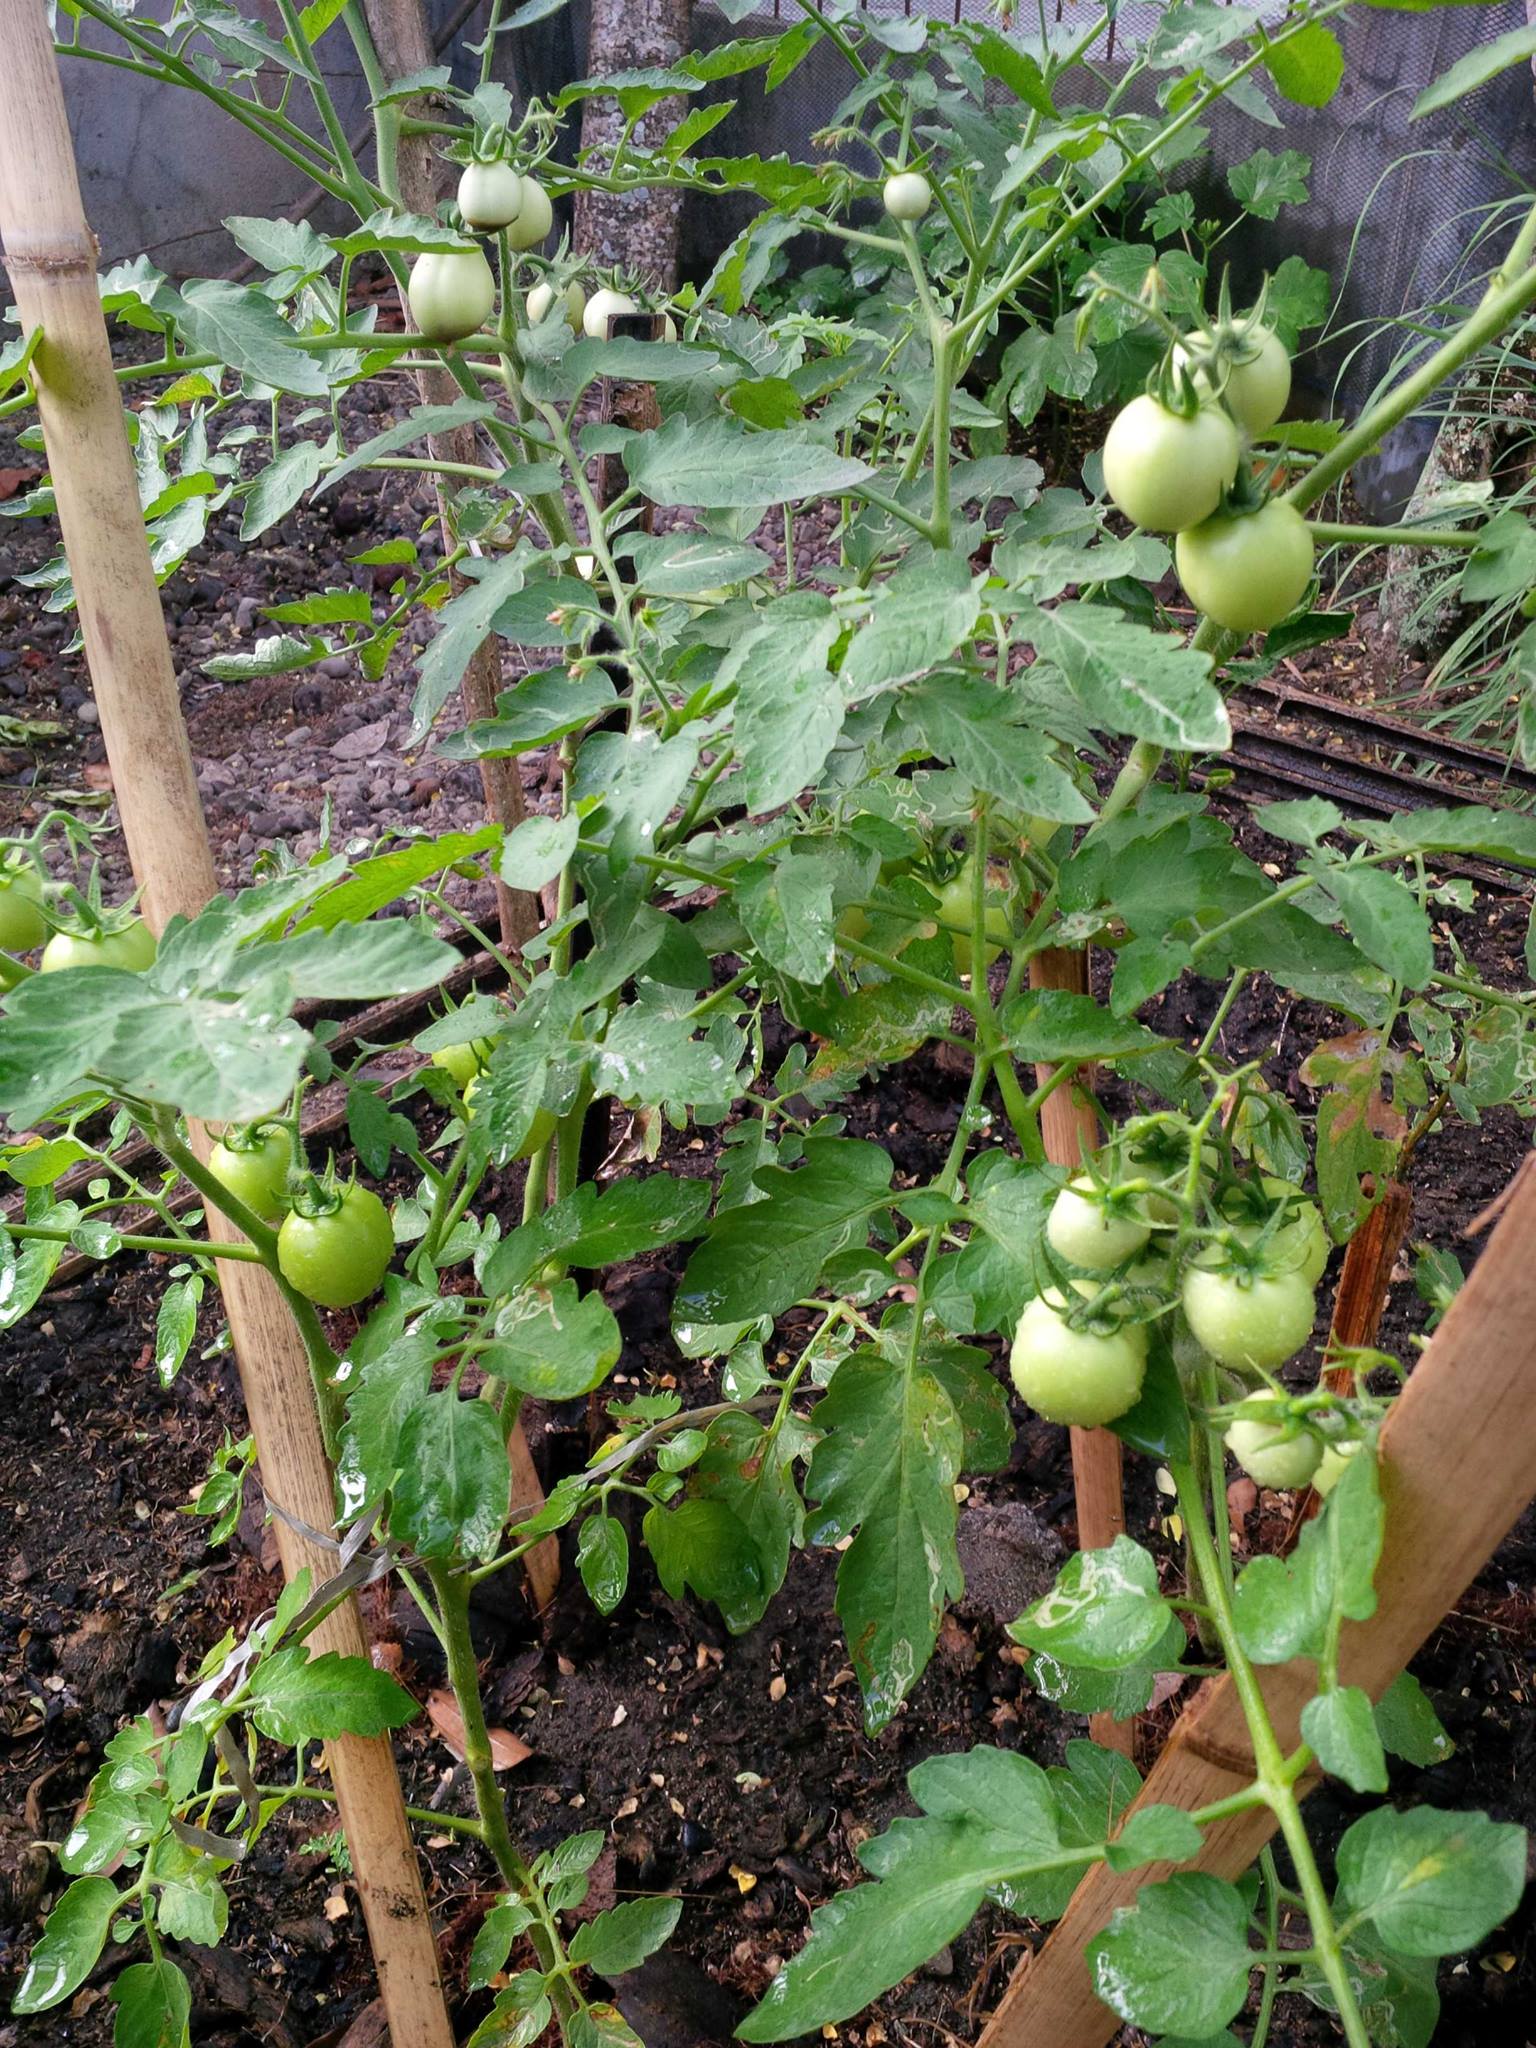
<point x="734" y="1772"/>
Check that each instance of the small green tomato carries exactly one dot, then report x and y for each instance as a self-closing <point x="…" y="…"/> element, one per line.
<point x="1087" y="1233"/>
<point x="535" y="216"/>
<point x="908" y="195"/>
<point x="1273" y="1454"/>
<point x="573" y="303"/>
<point x="490" y="196"/>
<point x="1081" y="1377"/>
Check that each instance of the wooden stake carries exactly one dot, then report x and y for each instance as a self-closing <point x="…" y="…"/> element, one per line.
<point x="51" y="256"/>
<point x="1069" y="1128"/>
<point x="1467" y="1412"/>
<point x="404" y="46"/>
<point x="1360" y="1302"/>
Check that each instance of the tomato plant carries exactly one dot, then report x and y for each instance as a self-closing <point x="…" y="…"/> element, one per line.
<point x="876" y="724"/>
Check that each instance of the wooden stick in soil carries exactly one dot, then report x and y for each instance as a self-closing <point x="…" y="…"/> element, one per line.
<point x="404" y="46"/>
<point x="1069" y="1129"/>
<point x="51" y="256"/>
<point x="1360" y="1302"/>
<point x="1467" y="1412"/>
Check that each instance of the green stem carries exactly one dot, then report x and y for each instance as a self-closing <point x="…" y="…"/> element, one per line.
<point x="1396" y="536"/>
<point x="129" y="1241"/>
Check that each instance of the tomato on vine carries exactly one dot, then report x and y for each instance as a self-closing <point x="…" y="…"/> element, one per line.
<point x="572" y="302"/>
<point x="129" y="946"/>
<point x="22" y="923"/>
<point x="1256" y="386"/>
<point x="1333" y="1464"/>
<point x="464" y="1062"/>
<point x="603" y="306"/>
<point x="252" y="1161"/>
<point x="1082" y="1377"/>
<point x="335" y="1244"/>
<point x="956" y="897"/>
<point x="1300" y="1243"/>
<point x="1277" y="1454"/>
<point x="1088" y="1230"/>
<point x="1247" y="570"/>
<point x="540" y="1132"/>
<point x="1250" y="1320"/>
<point x="1166" y="470"/>
<point x="490" y="196"/>
<point x="451" y="293"/>
<point x="907" y="195"/>
<point x="535" y="217"/>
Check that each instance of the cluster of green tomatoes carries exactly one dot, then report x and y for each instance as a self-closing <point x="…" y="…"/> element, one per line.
<point x="72" y="933"/>
<point x="1232" y="1256"/>
<point x="1173" y="455"/>
<point x="452" y="292"/>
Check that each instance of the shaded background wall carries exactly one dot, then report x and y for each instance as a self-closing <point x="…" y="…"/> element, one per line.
<point x="1393" y="202"/>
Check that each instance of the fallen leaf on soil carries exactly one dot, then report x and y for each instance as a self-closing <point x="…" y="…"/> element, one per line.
<point x="336" y="1907"/>
<point x="13" y="480"/>
<point x="443" y="1713"/>
<point x="745" y="1880"/>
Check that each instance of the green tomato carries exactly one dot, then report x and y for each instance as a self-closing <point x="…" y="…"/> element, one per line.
<point x="22" y="924"/>
<point x="1301" y="1244"/>
<point x="1258" y="382"/>
<point x="451" y="293"/>
<point x="1075" y="1376"/>
<point x="339" y="1258"/>
<point x="540" y="1131"/>
<point x="602" y="307"/>
<point x="462" y="1062"/>
<point x="955" y="902"/>
<point x="535" y="216"/>
<point x="253" y="1164"/>
<point x="1086" y="1233"/>
<point x="490" y="196"/>
<point x="1164" y="471"/>
<point x="1249" y="570"/>
<point x="573" y="303"/>
<point x="1250" y="1322"/>
<point x="908" y="195"/>
<point x="131" y="948"/>
<point x="1274" y="1453"/>
<point x="1333" y="1464"/>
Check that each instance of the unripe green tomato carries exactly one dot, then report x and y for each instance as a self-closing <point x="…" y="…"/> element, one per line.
<point x="540" y="1131"/>
<point x="253" y="1165"/>
<point x="1333" y="1464"/>
<point x="908" y="195"/>
<point x="573" y="303"/>
<point x="1249" y="570"/>
<point x="451" y="293"/>
<point x="132" y="948"/>
<point x="22" y="924"/>
<point x="668" y="327"/>
<point x="603" y="306"/>
<point x="853" y="922"/>
<point x="490" y="196"/>
<point x="1250" y="1322"/>
<point x="461" y="1062"/>
<point x="1300" y="1244"/>
<point x="1167" y="472"/>
<point x="1271" y="1455"/>
<point x="340" y="1258"/>
<point x="1258" y="389"/>
<point x="535" y="217"/>
<point x="1082" y="1230"/>
<point x="1075" y="1376"/>
<point x="955" y="902"/>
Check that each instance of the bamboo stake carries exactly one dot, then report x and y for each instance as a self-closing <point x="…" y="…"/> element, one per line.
<point x="404" y="46"/>
<point x="51" y="256"/>
<point x="1069" y="1128"/>
<point x="1467" y="1410"/>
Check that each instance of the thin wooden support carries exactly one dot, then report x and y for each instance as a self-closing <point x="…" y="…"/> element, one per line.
<point x="1069" y="1130"/>
<point x="51" y="256"/>
<point x="1466" y="1411"/>
<point x="404" y="46"/>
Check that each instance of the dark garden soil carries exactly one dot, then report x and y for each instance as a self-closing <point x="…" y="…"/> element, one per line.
<point x="734" y="1772"/>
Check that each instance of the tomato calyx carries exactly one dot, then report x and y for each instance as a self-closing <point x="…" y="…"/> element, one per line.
<point x="313" y="1195"/>
<point x="252" y="1137"/>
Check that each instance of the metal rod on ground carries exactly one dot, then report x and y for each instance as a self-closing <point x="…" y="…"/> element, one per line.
<point x="1467" y="1410"/>
<point x="1069" y="1129"/>
<point x="51" y="256"/>
<point x="404" y="45"/>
